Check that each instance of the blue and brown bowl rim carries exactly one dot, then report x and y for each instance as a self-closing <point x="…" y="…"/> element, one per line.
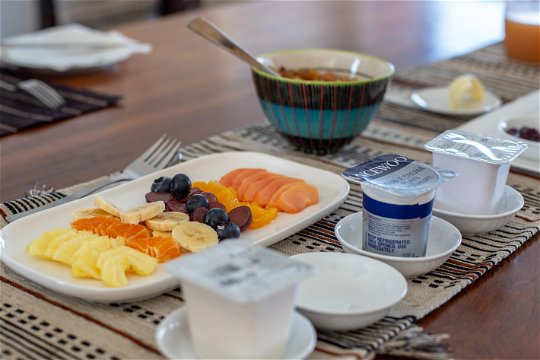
<point x="391" y="67"/>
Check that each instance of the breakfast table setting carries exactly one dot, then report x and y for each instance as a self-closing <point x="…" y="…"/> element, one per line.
<point x="162" y="101"/>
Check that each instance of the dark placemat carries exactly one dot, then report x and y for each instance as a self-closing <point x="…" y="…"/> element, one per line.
<point x="19" y="110"/>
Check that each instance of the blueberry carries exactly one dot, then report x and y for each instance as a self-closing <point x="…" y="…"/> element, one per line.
<point x="196" y="201"/>
<point x="161" y="184"/>
<point x="216" y="217"/>
<point x="229" y="231"/>
<point x="180" y="186"/>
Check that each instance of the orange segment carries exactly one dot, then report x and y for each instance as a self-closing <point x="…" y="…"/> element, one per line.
<point x="261" y="217"/>
<point x="139" y="244"/>
<point x="211" y="186"/>
<point x="164" y="248"/>
<point x="228" y="198"/>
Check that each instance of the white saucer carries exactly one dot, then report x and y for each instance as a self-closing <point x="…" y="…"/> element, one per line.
<point x="174" y="338"/>
<point x="510" y="203"/>
<point x="443" y="239"/>
<point x="435" y="99"/>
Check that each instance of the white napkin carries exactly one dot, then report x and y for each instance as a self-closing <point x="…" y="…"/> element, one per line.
<point x="92" y="48"/>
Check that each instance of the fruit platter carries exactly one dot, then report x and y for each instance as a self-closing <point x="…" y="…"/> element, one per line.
<point x="151" y="203"/>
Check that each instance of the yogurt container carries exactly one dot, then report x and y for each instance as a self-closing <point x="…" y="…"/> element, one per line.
<point x="398" y="200"/>
<point x="239" y="299"/>
<point x="483" y="163"/>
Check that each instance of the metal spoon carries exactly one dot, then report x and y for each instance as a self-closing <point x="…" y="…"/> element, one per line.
<point x="210" y="32"/>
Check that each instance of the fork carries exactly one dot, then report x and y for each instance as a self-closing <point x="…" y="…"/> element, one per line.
<point x="38" y="89"/>
<point x="158" y="156"/>
<point x="39" y="189"/>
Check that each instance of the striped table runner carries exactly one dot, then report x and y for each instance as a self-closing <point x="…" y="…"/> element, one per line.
<point x="20" y="111"/>
<point x="38" y="323"/>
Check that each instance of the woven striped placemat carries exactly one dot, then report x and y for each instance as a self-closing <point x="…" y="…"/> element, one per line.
<point x="39" y="323"/>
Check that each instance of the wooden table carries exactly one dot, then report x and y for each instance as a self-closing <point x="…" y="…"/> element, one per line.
<point x="191" y="89"/>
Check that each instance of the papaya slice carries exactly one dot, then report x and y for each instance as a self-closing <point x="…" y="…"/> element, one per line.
<point x="250" y="179"/>
<point x="228" y="178"/>
<point x="237" y="180"/>
<point x="265" y="194"/>
<point x="294" y="197"/>
<point x="252" y="189"/>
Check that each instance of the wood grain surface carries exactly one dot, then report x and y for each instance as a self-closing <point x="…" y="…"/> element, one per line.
<point x="192" y="89"/>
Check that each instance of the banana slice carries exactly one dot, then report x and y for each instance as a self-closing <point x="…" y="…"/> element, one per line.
<point x="194" y="236"/>
<point x="166" y="221"/>
<point x="465" y="90"/>
<point x="158" y="233"/>
<point x="91" y="212"/>
<point x="107" y="206"/>
<point x="142" y="213"/>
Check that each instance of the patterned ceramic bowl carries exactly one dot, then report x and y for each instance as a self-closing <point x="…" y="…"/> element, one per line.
<point x="322" y="116"/>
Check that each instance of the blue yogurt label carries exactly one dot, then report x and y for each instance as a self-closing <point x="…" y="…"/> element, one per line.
<point x="395" y="230"/>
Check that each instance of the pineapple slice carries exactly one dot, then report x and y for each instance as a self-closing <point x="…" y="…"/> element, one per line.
<point x="84" y="265"/>
<point x="65" y="251"/>
<point x="92" y="256"/>
<point x="37" y="247"/>
<point x="141" y="263"/>
<point x="86" y="257"/>
<point x="113" y="270"/>
<point x="55" y="243"/>
<point x="121" y="250"/>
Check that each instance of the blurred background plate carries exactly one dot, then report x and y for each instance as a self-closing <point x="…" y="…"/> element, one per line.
<point x="69" y="49"/>
<point x="528" y="105"/>
<point x="435" y="99"/>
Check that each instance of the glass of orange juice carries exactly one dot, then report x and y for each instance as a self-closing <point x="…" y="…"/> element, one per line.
<point x="522" y="29"/>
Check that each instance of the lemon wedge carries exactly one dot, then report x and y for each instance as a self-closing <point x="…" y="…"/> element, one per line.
<point x="465" y="90"/>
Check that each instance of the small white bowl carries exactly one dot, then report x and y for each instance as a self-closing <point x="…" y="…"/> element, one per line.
<point x="347" y="291"/>
<point x="533" y="150"/>
<point x="511" y="202"/>
<point x="443" y="239"/>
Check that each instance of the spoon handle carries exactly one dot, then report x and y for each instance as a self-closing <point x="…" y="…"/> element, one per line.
<point x="210" y="32"/>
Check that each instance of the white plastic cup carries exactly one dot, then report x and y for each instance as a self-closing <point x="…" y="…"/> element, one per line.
<point x="478" y="188"/>
<point x="396" y="225"/>
<point x="239" y="299"/>
<point x="225" y="329"/>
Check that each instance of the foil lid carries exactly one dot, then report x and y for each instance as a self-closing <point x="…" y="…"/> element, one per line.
<point x="476" y="147"/>
<point x="398" y="175"/>
<point x="240" y="271"/>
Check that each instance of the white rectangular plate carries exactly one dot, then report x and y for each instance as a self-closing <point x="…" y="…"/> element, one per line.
<point x="333" y="190"/>
<point x="488" y="124"/>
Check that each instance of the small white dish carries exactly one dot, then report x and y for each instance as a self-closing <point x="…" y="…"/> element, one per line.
<point x="511" y="202"/>
<point x="435" y="99"/>
<point x="533" y="150"/>
<point x="173" y="337"/>
<point x="443" y="239"/>
<point x="347" y="291"/>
